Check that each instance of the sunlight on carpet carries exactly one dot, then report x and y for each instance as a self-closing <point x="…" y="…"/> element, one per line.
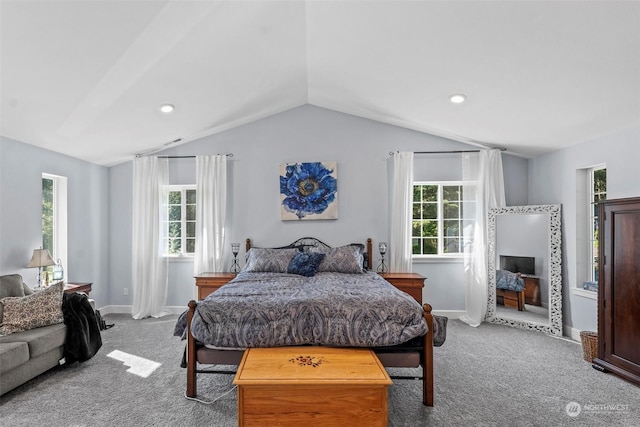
<point x="137" y="365"/>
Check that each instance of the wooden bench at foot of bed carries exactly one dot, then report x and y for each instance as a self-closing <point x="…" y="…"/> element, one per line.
<point x="391" y="357"/>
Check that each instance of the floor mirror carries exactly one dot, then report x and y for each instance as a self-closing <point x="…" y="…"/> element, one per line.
<point x="524" y="250"/>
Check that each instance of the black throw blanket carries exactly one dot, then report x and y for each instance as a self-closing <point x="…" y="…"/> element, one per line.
<point x="83" y="338"/>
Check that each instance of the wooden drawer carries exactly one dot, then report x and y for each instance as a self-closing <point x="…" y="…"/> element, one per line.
<point x="411" y="283"/>
<point x="210" y="282"/>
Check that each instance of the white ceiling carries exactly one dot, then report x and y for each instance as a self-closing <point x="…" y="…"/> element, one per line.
<point x="87" y="78"/>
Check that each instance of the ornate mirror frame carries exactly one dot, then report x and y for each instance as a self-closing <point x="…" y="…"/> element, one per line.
<point x="554" y="327"/>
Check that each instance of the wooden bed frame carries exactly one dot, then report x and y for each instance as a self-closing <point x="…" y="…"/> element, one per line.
<point x="390" y="357"/>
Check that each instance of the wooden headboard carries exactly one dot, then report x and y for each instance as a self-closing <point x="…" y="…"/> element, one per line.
<point x="311" y="242"/>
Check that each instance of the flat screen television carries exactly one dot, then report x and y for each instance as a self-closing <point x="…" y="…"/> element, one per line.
<point x="518" y="264"/>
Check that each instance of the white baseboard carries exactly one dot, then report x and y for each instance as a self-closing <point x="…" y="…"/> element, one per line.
<point x="571" y="332"/>
<point x="126" y="309"/>
<point x="451" y="314"/>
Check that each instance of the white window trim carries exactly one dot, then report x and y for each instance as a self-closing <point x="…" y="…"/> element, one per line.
<point x="589" y="207"/>
<point x="182" y="256"/>
<point x="60" y="214"/>
<point x="440" y="256"/>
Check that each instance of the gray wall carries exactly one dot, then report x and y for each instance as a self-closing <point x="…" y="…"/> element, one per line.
<point x="21" y="168"/>
<point x="361" y="148"/>
<point x="554" y="178"/>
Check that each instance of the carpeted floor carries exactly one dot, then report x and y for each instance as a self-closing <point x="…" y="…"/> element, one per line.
<point x="487" y="376"/>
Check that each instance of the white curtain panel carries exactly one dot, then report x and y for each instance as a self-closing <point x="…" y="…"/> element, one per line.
<point x="483" y="173"/>
<point x="401" y="200"/>
<point x="149" y="275"/>
<point x="211" y="208"/>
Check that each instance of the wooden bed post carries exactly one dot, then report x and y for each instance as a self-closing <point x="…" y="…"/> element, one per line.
<point x="427" y="363"/>
<point x="191" y="353"/>
<point x="247" y="245"/>
<point x="370" y="254"/>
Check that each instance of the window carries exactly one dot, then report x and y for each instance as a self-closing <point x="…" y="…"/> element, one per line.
<point x="441" y="212"/>
<point x="181" y="221"/>
<point x="597" y="192"/>
<point x="54" y="217"/>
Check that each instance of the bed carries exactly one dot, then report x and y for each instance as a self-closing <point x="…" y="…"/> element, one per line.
<point x="510" y="289"/>
<point x="308" y="293"/>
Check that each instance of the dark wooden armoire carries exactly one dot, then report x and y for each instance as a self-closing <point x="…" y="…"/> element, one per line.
<point x="619" y="288"/>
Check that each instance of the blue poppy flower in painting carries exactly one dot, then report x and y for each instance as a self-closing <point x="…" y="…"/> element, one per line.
<point x="308" y="188"/>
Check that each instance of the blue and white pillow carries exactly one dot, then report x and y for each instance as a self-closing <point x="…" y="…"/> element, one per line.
<point x="344" y="259"/>
<point x="268" y="260"/>
<point x="305" y="263"/>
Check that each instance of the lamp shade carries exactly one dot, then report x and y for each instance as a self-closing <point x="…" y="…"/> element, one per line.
<point x="40" y="258"/>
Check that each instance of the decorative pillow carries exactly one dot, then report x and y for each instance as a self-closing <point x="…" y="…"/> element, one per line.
<point x="269" y="260"/>
<point x="32" y="311"/>
<point x="11" y="286"/>
<point x="305" y="263"/>
<point x="343" y="259"/>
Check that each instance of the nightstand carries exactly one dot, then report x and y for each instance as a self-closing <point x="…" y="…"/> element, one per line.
<point x="532" y="290"/>
<point x="209" y="282"/>
<point x="411" y="283"/>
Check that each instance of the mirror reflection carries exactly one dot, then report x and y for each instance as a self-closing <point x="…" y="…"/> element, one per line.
<point x="524" y="268"/>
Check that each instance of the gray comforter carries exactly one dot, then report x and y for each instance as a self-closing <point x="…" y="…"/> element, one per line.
<point x="332" y="309"/>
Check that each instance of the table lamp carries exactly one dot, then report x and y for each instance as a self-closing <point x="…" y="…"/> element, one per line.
<point x="40" y="258"/>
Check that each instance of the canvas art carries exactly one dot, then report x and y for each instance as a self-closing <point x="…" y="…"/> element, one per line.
<point x="309" y="191"/>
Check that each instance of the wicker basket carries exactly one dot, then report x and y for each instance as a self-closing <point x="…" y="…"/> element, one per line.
<point x="589" y="345"/>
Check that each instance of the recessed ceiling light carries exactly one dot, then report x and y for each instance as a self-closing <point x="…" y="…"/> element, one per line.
<point x="167" y="108"/>
<point x="458" y="98"/>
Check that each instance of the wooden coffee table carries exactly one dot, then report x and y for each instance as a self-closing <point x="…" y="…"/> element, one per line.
<point x="291" y="386"/>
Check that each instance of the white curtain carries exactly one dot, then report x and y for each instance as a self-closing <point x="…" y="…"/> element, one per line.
<point x="485" y="168"/>
<point x="149" y="275"/>
<point x="401" y="199"/>
<point x="211" y="207"/>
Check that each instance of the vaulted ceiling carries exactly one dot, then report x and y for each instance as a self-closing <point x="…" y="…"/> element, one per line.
<point x="87" y="78"/>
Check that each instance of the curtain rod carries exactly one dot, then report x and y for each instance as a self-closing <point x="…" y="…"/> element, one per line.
<point x="447" y="152"/>
<point x="187" y="157"/>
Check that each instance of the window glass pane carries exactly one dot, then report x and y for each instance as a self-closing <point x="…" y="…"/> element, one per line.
<point x="47" y="214"/>
<point x="191" y="197"/>
<point x="415" y="246"/>
<point x="191" y="246"/>
<point x="417" y="192"/>
<point x="430" y="193"/>
<point x="191" y="212"/>
<point x="175" y="197"/>
<point x="451" y="193"/>
<point x="430" y="210"/>
<point x="191" y="229"/>
<point x="415" y="228"/>
<point x="450" y="210"/>
<point x="600" y="181"/>
<point x="451" y="228"/>
<point x="175" y="213"/>
<point x="430" y="246"/>
<point x="175" y="229"/>
<point x="451" y="245"/>
<point x="430" y="228"/>
<point x="175" y="246"/>
<point x="417" y="211"/>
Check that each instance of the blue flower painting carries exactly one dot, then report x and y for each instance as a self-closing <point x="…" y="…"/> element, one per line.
<point x="309" y="190"/>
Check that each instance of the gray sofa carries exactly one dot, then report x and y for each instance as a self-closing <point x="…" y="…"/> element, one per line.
<point x="25" y="355"/>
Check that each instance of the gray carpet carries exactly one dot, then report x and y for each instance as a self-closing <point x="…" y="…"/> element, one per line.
<point x="487" y="376"/>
